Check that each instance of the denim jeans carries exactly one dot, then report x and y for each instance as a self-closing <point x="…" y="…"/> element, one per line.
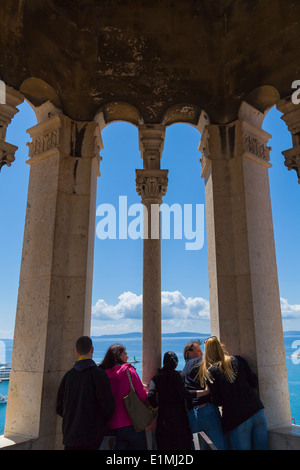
<point x="208" y="419"/>
<point x="128" y="439"/>
<point x="251" y="434"/>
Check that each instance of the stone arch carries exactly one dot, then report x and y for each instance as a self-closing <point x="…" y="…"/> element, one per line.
<point x="186" y="114"/>
<point x="117" y="111"/>
<point x="37" y="92"/>
<point x="42" y="97"/>
<point x="258" y="103"/>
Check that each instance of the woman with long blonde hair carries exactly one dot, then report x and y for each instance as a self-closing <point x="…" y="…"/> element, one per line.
<point x="215" y="355"/>
<point x="232" y="386"/>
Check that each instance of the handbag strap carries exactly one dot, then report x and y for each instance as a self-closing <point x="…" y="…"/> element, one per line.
<point x="130" y="381"/>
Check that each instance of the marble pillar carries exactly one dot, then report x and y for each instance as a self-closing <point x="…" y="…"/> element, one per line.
<point x="243" y="281"/>
<point x="54" y="301"/>
<point x="151" y="183"/>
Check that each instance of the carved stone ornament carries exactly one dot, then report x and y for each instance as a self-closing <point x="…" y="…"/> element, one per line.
<point x="151" y="143"/>
<point x="292" y="160"/>
<point x="291" y="116"/>
<point x="151" y="185"/>
<point x="6" y="158"/>
<point x="8" y="109"/>
<point x="256" y="147"/>
<point x="7" y="154"/>
<point x="44" y="143"/>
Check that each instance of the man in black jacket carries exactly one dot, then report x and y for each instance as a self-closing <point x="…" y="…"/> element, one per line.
<point x="84" y="400"/>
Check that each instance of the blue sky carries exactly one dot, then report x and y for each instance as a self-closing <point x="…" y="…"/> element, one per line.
<point x="117" y="286"/>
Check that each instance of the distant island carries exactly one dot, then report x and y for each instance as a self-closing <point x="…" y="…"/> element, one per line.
<point x="6" y="354"/>
<point x="190" y="334"/>
<point x="137" y="334"/>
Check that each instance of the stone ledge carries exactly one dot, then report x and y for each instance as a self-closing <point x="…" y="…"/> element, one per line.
<point x="284" y="437"/>
<point x="280" y="438"/>
<point x="18" y="442"/>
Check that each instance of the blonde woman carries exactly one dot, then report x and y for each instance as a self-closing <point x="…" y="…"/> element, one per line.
<point x="202" y="413"/>
<point x="232" y="383"/>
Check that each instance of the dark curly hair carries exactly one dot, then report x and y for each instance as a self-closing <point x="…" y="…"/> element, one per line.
<point x="112" y="356"/>
<point x="170" y="360"/>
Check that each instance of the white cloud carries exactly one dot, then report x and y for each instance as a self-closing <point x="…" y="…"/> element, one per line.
<point x="289" y="311"/>
<point x="6" y="334"/>
<point x="174" y="306"/>
<point x="179" y="313"/>
<point x="128" y="306"/>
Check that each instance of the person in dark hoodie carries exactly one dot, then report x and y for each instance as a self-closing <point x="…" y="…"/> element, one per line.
<point x="84" y="401"/>
<point x="168" y="392"/>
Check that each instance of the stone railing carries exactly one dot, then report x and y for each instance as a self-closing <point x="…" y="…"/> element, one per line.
<point x="280" y="438"/>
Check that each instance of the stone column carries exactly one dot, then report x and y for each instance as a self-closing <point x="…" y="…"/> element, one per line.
<point x="151" y="183"/>
<point x="243" y="282"/>
<point x="54" y="306"/>
<point x="291" y="116"/>
<point x="7" y="112"/>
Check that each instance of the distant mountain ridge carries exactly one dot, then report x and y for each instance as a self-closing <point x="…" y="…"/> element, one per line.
<point x="6" y="348"/>
<point x="137" y="334"/>
<point x="190" y="334"/>
<point x="166" y="335"/>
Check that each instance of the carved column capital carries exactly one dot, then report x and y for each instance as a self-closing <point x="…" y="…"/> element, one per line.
<point x="151" y="144"/>
<point x="291" y="116"/>
<point x="254" y="143"/>
<point x="234" y="140"/>
<point x="45" y="139"/>
<point x="7" y="154"/>
<point x="7" y="112"/>
<point x="60" y="134"/>
<point x="151" y="185"/>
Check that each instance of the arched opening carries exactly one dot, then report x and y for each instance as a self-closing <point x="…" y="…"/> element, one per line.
<point x="13" y="197"/>
<point x="185" y="295"/>
<point x="285" y="200"/>
<point x="118" y="258"/>
<point x="118" y="255"/>
<point x="124" y="311"/>
<point x="118" y="263"/>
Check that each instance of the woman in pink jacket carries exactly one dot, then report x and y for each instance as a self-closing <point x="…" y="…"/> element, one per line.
<point x="115" y="365"/>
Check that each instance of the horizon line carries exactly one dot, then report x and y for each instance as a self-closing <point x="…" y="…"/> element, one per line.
<point x="190" y="333"/>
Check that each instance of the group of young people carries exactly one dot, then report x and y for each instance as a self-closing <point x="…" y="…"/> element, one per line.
<point x="215" y="393"/>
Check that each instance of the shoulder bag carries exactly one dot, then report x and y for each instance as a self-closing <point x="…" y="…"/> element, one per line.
<point x="140" y="413"/>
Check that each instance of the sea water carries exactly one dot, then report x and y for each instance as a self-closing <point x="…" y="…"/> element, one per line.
<point x="133" y="344"/>
<point x="292" y="346"/>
